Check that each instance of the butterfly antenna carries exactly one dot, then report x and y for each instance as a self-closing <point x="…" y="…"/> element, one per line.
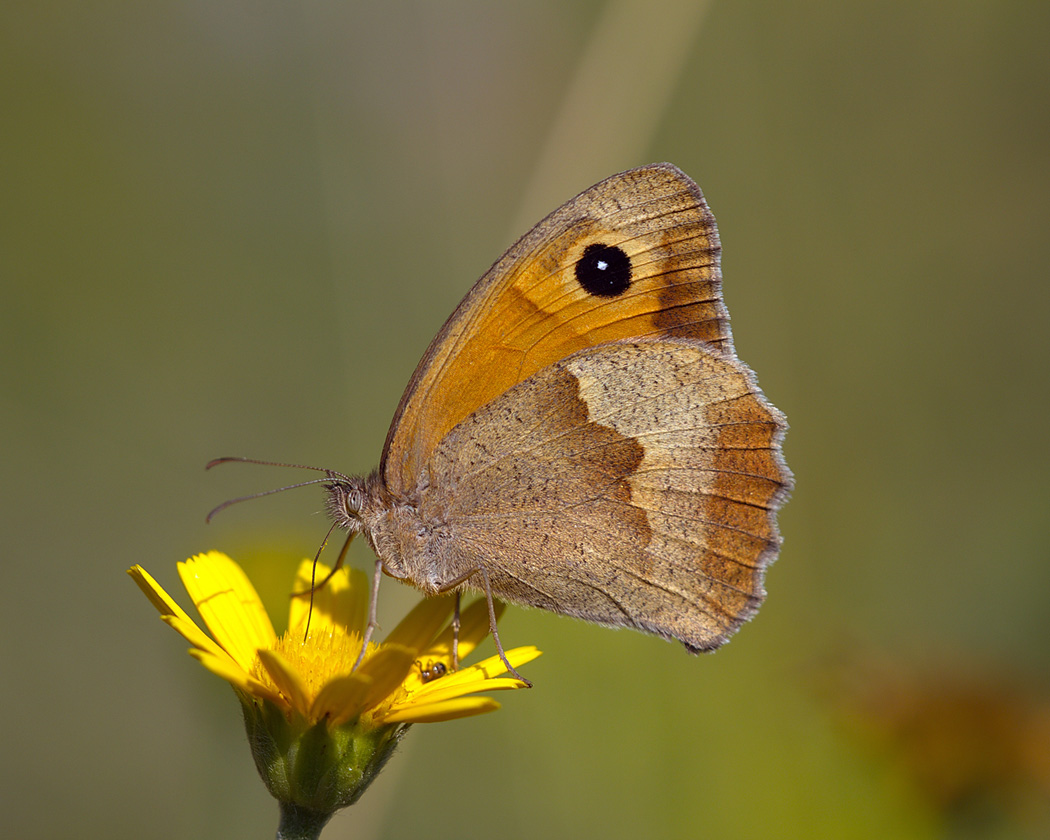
<point x="239" y="499"/>
<point x="236" y="459"/>
<point x="330" y="476"/>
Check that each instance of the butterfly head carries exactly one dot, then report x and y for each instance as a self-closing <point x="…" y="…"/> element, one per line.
<point x="352" y="500"/>
<point x="346" y="500"/>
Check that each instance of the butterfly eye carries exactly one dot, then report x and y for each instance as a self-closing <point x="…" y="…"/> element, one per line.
<point x="604" y="270"/>
<point x="346" y="498"/>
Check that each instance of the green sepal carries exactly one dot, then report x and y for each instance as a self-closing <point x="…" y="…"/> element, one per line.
<point x="313" y="771"/>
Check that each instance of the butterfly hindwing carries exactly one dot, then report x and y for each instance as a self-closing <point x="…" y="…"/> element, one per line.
<point x="634" y="483"/>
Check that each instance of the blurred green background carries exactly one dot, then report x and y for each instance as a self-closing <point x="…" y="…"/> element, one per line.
<point x="232" y="228"/>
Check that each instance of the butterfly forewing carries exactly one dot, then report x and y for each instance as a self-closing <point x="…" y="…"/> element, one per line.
<point x="532" y="309"/>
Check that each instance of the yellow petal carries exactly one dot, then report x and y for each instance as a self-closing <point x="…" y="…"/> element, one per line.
<point x="155" y="592"/>
<point x="387" y="667"/>
<point x="287" y="680"/>
<point x="343" y="600"/>
<point x="223" y="666"/>
<point x="192" y="634"/>
<point x="418" y="629"/>
<point x="487" y="669"/>
<point x="342" y="698"/>
<point x="427" y="695"/>
<point x="171" y="613"/>
<point x="229" y="605"/>
<point x="447" y="710"/>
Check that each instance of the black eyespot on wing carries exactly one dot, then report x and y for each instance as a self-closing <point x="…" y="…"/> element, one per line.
<point x="604" y="270"/>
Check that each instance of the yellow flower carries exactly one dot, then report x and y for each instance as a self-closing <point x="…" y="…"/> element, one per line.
<point x="320" y="730"/>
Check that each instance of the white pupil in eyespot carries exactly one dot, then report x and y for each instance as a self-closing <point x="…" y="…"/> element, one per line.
<point x="602" y="265"/>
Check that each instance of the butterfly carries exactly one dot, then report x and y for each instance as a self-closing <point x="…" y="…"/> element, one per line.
<point x="581" y="437"/>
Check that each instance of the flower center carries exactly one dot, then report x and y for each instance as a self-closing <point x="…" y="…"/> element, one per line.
<point x="326" y="653"/>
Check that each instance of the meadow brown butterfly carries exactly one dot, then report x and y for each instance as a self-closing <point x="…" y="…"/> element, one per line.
<point x="580" y="435"/>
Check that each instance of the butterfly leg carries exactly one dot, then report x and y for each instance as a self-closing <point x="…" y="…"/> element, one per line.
<point x="455" y="632"/>
<point x="495" y="633"/>
<point x="373" y="604"/>
<point x="492" y="620"/>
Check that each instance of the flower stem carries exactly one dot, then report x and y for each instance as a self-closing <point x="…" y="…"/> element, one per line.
<point x="300" y="823"/>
